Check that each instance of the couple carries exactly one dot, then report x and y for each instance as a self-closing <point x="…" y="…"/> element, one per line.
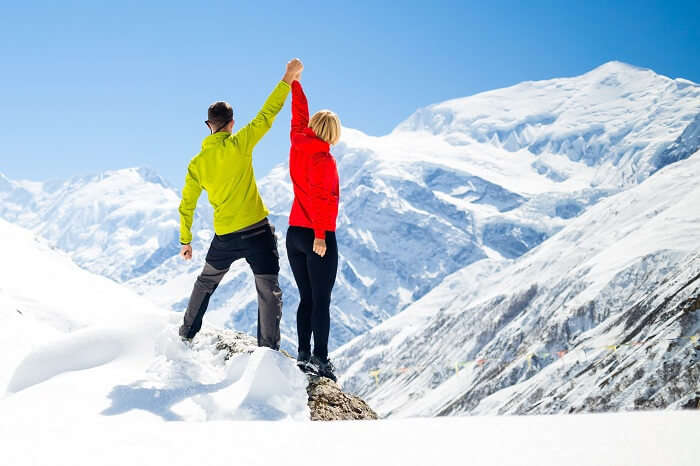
<point x="224" y="168"/>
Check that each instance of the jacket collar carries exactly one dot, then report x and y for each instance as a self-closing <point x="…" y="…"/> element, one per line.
<point x="215" y="138"/>
<point x="313" y="142"/>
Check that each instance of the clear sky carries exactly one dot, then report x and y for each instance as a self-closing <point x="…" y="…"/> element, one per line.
<point x="91" y="86"/>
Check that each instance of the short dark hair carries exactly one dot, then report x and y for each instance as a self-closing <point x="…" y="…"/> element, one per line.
<point x="220" y="113"/>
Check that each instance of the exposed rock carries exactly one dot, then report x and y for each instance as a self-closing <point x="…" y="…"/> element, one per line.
<point x="327" y="401"/>
<point x="232" y="342"/>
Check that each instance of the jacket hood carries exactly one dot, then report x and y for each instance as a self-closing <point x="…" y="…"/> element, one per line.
<point x="308" y="140"/>
<point x="215" y="138"/>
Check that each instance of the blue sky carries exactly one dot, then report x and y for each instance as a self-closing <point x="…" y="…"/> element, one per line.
<point x="91" y="86"/>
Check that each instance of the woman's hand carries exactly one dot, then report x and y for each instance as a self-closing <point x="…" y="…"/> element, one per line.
<point x="320" y="246"/>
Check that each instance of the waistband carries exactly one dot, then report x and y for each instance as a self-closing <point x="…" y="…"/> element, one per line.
<point x="259" y="224"/>
<point x="262" y="223"/>
<point x="308" y="230"/>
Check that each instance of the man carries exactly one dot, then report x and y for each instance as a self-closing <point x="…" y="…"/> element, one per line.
<point x="224" y="168"/>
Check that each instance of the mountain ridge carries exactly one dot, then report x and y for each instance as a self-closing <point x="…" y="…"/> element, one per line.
<point x="415" y="207"/>
<point x="622" y="275"/>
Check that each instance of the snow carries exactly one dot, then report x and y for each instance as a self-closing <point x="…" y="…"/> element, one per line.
<point x="83" y="345"/>
<point x="113" y="223"/>
<point x="96" y="375"/>
<point x="505" y="227"/>
<point x="486" y="176"/>
<point x="83" y="349"/>
<point x="592" y="118"/>
<point x="600" y="440"/>
<point x="576" y="290"/>
<point x="264" y="385"/>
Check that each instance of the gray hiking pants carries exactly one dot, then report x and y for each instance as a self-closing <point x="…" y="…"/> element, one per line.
<point x="258" y="245"/>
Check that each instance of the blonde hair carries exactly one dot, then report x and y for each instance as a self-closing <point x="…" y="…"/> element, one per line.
<point x="326" y="125"/>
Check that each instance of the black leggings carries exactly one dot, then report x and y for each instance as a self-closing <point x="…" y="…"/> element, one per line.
<point x="315" y="277"/>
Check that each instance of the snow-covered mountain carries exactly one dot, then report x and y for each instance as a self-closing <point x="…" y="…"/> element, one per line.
<point x="91" y="374"/>
<point x="479" y="180"/>
<point x="604" y="315"/>
<point x="118" y="224"/>
<point x="617" y="119"/>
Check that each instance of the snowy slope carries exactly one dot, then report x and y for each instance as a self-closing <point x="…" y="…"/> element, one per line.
<point x="484" y="177"/>
<point x="602" y="316"/>
<point x="91" y="374"/>
<point x="81" y="346"/>
<point x="640" y="439"/>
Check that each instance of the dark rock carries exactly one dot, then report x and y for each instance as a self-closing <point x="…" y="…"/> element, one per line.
<point x="232" y="342"/>
<point x="329" y="403"/>
<point x="693" y="403"/>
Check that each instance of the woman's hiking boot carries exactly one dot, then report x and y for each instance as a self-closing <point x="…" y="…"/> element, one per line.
<point x="323" y="368"/>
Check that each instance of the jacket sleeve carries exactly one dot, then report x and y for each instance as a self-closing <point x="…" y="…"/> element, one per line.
<point x="250" y="134"/>
<point x="321" y="192"/>
<point x="300" y="109"/>
<point x="190" y="195"/>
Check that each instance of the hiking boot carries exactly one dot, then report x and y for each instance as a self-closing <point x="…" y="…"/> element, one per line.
<point x="303" y="359"/>
<point x="183" y="332"/>
<point x="323" y="368"/>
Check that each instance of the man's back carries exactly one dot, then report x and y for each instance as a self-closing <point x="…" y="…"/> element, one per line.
<point x="225" y="171"/>
<point x="224" y="168"/>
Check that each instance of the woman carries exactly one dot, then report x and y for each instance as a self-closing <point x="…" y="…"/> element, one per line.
<point x="311" y="244"/>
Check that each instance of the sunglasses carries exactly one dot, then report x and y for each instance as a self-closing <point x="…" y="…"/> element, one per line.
<point x="208" y="124"/>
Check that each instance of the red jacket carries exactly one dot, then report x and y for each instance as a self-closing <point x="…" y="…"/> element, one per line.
<point x="313" y="172"/>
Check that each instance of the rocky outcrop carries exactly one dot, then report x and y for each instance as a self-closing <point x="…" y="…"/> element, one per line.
<point x="327" y="401"/>
<point x="231" y="342"/>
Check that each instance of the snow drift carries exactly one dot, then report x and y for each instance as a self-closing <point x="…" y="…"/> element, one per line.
<point x="84" y="345"/>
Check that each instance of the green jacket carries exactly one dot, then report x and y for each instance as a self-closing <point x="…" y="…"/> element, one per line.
<point x="224" y="168"/>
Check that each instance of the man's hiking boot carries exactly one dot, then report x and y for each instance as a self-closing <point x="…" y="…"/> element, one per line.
<point x="323" y="368"/>
<point x="303" y="359"/>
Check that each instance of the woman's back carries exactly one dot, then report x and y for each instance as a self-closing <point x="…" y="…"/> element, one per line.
<point x="313" y="172"/>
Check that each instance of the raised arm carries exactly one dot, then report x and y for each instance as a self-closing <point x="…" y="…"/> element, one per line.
<point x="250" y="134"/>
<point x="300" y="108"/>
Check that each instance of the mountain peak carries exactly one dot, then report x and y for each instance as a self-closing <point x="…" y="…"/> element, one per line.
<point x="146" y="174"/>
<point x="615" y="66"/>
<point x="126" y="175"/>
<point x="619" y="72"/>
<point x="616" y="113"/>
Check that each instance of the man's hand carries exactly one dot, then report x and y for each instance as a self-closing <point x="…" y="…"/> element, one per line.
<point x="186" y="251"/>
<point x="320" y="246"/>
<point x="294" y="69"/>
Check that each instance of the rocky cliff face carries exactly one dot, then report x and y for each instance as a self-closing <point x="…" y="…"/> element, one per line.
<point x="602" y="316"/>
<point x="655" y="364"/>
